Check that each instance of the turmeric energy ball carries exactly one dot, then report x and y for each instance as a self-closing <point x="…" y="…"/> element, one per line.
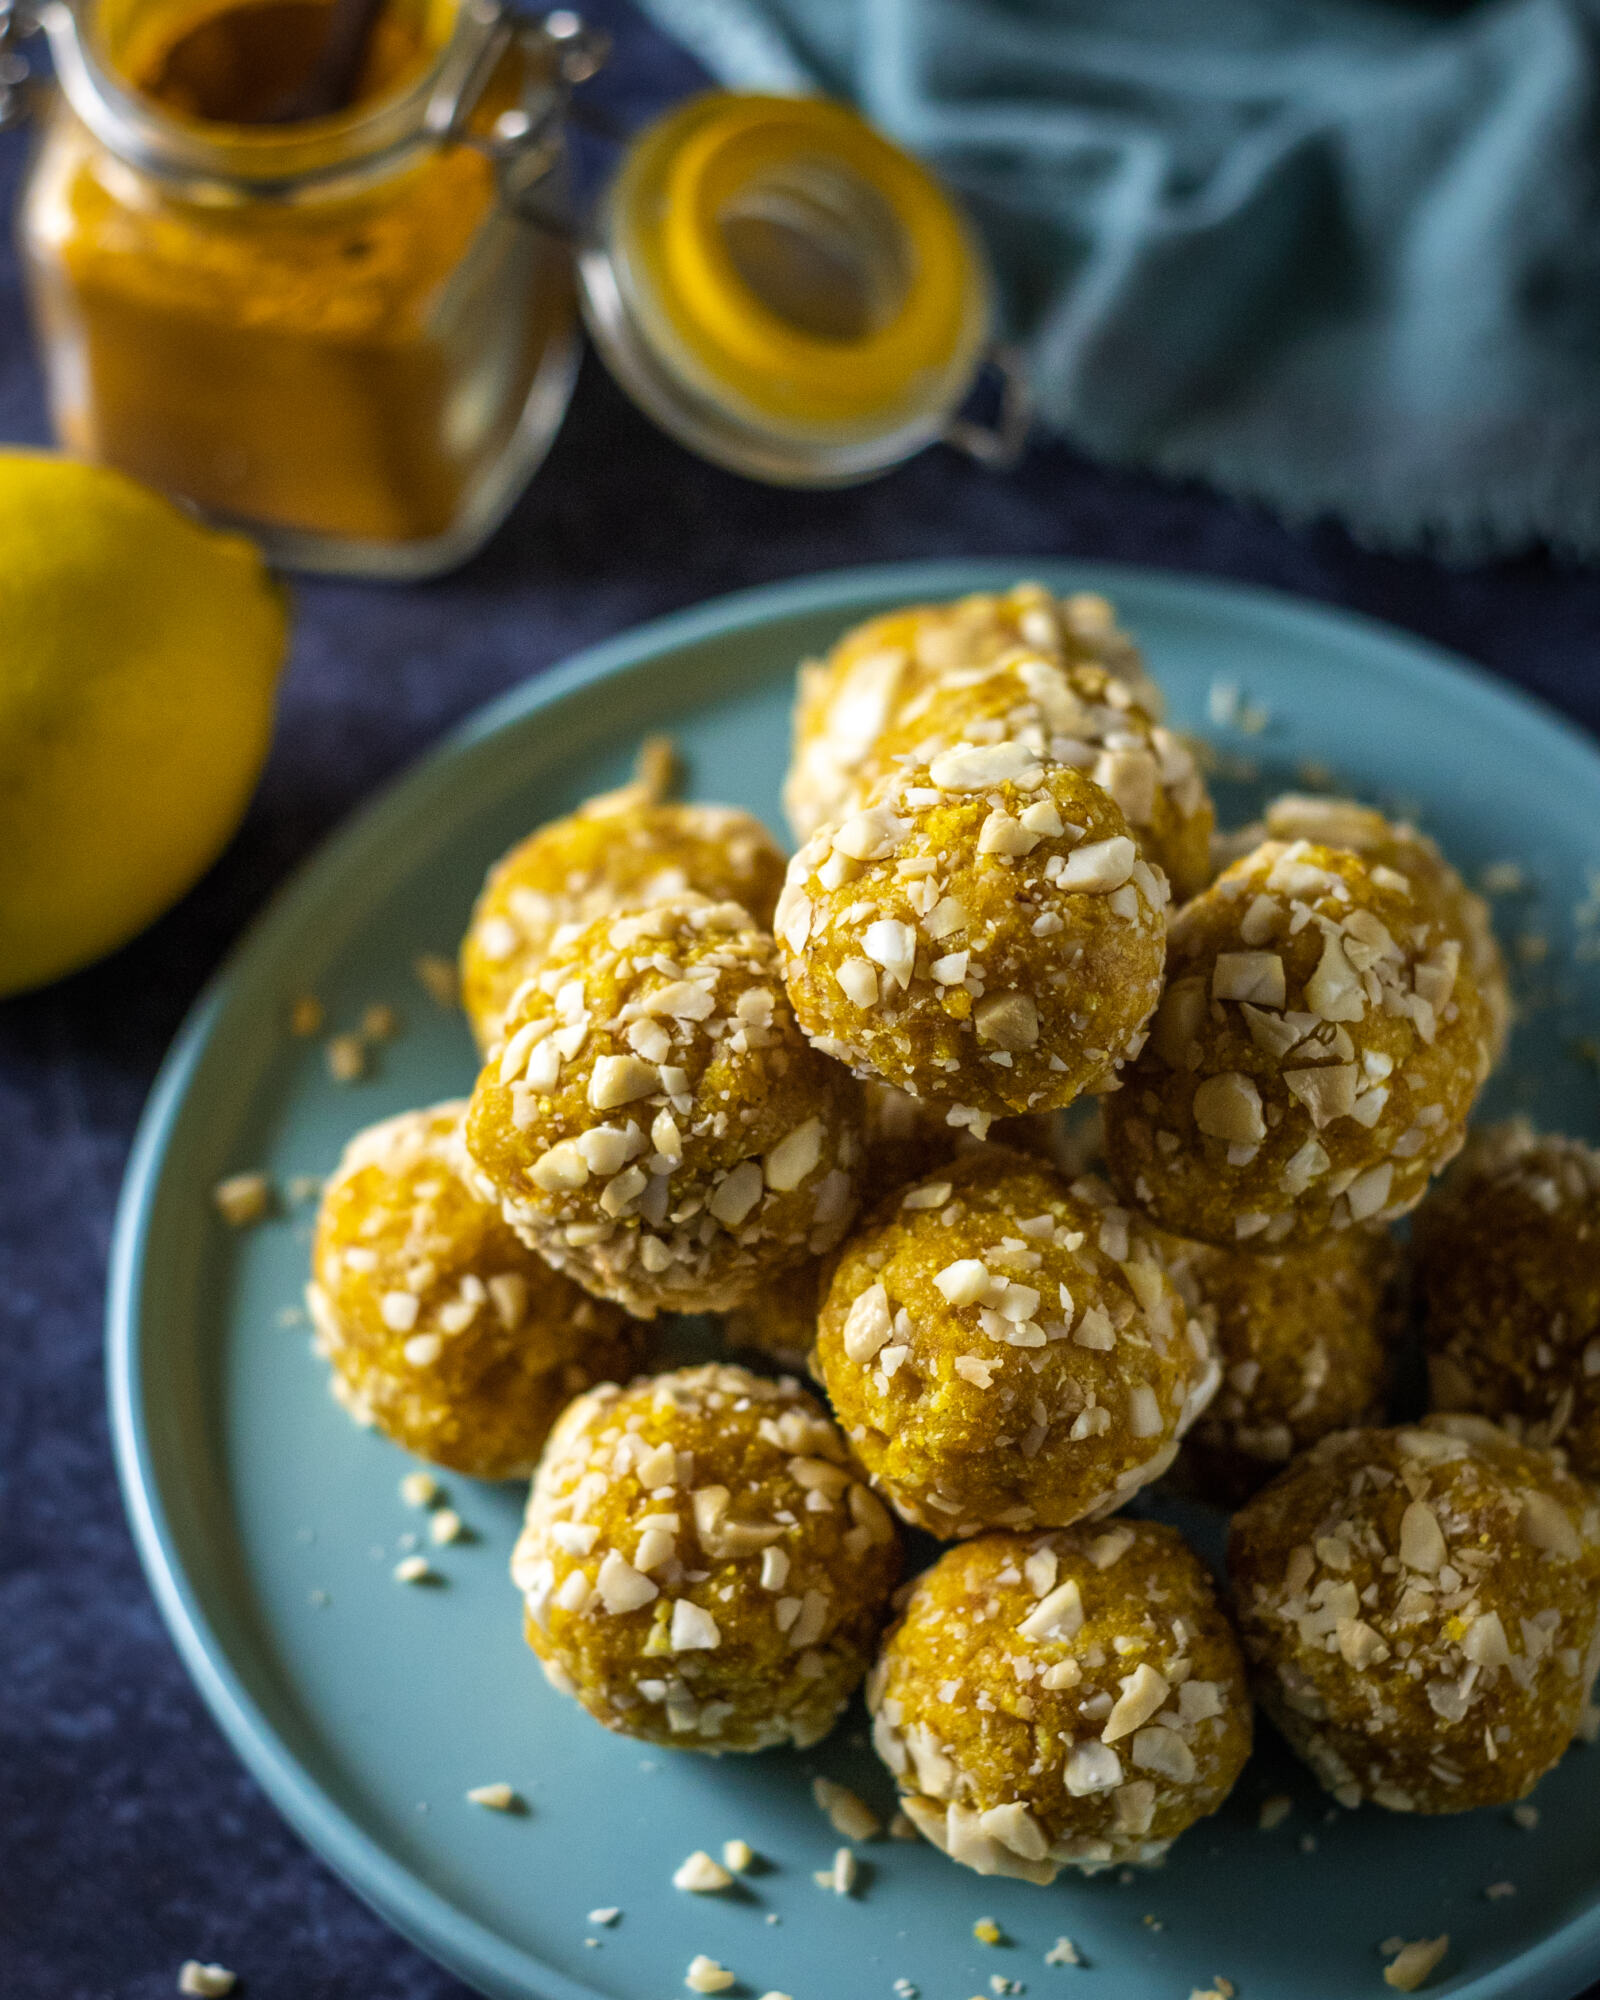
<point x="1075" y="1698"/>
<point x="619" y="852"/>
<point x="1006" y="1350"/>
<point x="1396" y="845"/>
<point x="1422" y="1607"/>
<point x="1303" y="1338"/>
<point x="1507" y="1255"/>
<point x="1077" y="715"/>
<point x="655" y="1123"/>
<point x="700" y="1564"/>
<point x="984" y="934"/>
<point x="847" y="700"/>
<point x="442" y="1328"/>
<point x="1314" y="1058"/>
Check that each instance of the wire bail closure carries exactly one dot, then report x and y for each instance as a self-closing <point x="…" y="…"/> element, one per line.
<point x="526" y="144"/>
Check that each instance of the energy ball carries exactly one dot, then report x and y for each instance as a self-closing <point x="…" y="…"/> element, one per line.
<point x="847" y="700"/>
<point x="1401" y="847"/>
<point x="1507" y="1257"/>
<point x="701" y="1566"/>
<point x="1422" y="1607"/>
<point x="1006" y="1350"/>
<point x="655" y="1123"/>
<point x="1071" y="1699"/>
<point x="984" y="934"/>
<point x="1314" y="1059"/>
<point x="1077" y="715"/>
<point x="1304" y="1339"/>
<point x="619" y="852"/>
<point x="903" y="1140"/>
<point x="443" y="1329"/>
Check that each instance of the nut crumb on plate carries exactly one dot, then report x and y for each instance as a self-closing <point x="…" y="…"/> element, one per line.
<point x="848" y="1813"/>
<point x="243" y="1198"/>
<point x="1413" y="1962"/>
<point x="346" y="1056"/>
<point x="701" y="1875"/>
<point x="498" y="1797"/>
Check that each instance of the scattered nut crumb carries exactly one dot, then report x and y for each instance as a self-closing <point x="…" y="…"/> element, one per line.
<point x="841" y="1877"/>
<point x="655" y="769"/>
<point x="413" y="1569"/>
<point x="498" y="1797"/>
<point x="1525" y="1816"/>
<point x="304" y="1187"/>
<point x="1153" y="1923"/>
<point x="606" y="1915"/>
<point x="437" y="977"/>
<point x="987" y="1931"/>
<point x="702" y="1877"/>
<point x="1063" y="1952"/>
<point x="447" y="1526"/>
<point x="1219" y="1989"/>
<point x="848" y="1813"/>
<point x="346" y="1058"/>
<point x="738" y="1855"/>
<point x="777" y="1996"/>
<point x="706" y="1976"/>
<point x="380" y="1023"/>
<point x="1502" y="878"/>
<point x="320" y="1599"/>
<point x="419" y="1489"/>
<point x="243" y="1198"/>
<point x="305" y="1015"/>
<point x="1413" y="1962"/>
<point x="1498" y="1891"/>
<point x="904" y="1990"/>
<point x="1308" y="1843"/>
<point x="1275" y="1811"/>
<point x="210" y="1980"/>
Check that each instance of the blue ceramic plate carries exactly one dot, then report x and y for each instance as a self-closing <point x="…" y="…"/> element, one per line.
<point x="270" y="1527"/>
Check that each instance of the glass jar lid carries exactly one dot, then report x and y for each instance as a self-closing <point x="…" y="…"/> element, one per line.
<point x="785" y="290"/>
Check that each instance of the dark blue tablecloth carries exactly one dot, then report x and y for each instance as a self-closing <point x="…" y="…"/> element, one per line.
<point x="129" y="1837"/>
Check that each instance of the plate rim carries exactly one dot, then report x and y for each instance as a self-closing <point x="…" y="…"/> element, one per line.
<point x="1551" y="1969"/>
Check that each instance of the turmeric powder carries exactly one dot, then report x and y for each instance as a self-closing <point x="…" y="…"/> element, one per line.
<point x="334" y="335"/>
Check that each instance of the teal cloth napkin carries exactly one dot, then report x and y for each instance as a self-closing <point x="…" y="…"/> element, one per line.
<point x="1339" y="256"/>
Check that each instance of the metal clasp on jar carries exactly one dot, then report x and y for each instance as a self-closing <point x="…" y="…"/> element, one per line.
<point x="526" y="143"/>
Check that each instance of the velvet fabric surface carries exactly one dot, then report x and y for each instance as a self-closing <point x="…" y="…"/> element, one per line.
<point x="130" y="1839"/>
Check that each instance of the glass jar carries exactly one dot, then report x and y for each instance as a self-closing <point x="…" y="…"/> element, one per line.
<point x="352" y="335"/>
<point x="792" y="295"/>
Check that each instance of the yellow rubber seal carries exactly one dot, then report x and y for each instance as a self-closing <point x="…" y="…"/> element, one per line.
<point x="686" y="176"/>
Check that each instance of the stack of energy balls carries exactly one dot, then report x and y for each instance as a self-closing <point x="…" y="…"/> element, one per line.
<point x="830" y="1102"/>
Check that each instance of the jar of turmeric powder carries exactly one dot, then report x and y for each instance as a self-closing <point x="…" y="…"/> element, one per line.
<point x="349" y="331"/>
